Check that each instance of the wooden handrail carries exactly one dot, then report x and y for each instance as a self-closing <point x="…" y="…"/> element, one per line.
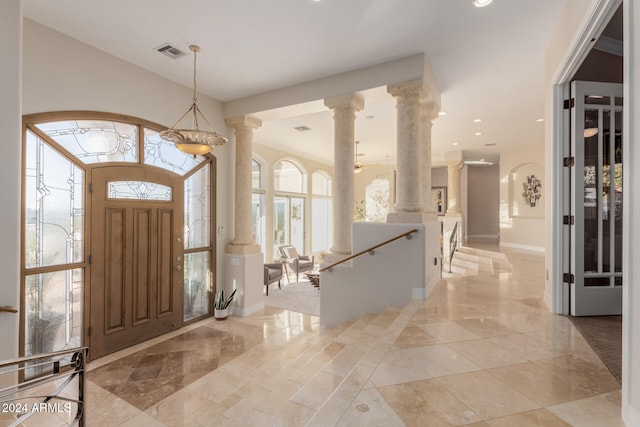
<point x="7" y="309"/>
<point x="386" y="242"/>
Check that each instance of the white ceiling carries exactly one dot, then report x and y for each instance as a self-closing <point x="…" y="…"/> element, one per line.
<point x="489" y="62"/>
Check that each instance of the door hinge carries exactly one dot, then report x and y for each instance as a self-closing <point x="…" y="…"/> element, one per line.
<point x="90" y="259"/>
<point x="569" y="103"/>
<point x="568" y="220"/>
<point x="568" y="278"/>
<point x="89" y="331"/>
<point x="569" y="162"/>
<point x="91" y="188"/>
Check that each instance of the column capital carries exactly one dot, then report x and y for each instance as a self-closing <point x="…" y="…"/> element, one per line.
<point x="352" y="100"/>
<point x="410" y="88"/>
<point x="243" y="122"/>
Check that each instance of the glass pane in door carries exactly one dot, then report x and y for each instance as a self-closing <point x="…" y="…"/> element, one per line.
<point x="592" y="178"/>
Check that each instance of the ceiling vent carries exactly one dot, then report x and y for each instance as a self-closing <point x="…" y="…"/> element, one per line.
<point x="170" y="51"/>
<point x="302" y="128"/>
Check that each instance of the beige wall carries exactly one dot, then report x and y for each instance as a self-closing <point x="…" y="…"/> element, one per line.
<point x="268" y="156"/>
<point x="521" y="226"/>
<point x="10" y="122"/>
<point x="483" y="199"/>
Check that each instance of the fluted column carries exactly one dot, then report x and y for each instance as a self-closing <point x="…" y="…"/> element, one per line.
<point x="243" y="242"/>
<point x="344" y="115"/>
<point x="453" y="186"/>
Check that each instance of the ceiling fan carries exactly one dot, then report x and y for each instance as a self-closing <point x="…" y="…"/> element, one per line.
<point x="358" y="166"/>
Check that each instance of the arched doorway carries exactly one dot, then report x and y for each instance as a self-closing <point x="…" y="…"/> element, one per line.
<point x="117" y="233"/>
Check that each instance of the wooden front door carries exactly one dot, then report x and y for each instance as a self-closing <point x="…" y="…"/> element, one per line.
<point x="136" y="281"/>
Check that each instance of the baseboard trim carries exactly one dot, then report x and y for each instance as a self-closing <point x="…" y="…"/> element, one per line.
<point x="633" y="418"/>
<point x="525" y="247"/>
<point x="432" y="284"/>
<point x="247" y="311"/>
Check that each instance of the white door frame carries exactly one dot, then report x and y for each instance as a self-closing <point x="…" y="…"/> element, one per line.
<point x="597" y="20"/>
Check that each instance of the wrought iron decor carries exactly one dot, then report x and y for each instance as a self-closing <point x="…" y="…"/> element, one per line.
<point x="532" y="190"/>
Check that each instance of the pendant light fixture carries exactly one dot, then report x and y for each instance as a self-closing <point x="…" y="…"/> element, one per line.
<point x="193" y="140"/>
<point x="357" y="166"/>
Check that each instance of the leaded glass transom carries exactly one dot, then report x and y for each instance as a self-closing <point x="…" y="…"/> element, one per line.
<point x="138" y="190"/>
<point x="95" y="141"/>
<point x="163" y="154"/>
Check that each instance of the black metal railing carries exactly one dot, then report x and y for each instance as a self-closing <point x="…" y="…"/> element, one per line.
<point x="453" y="244"/>
<point x="22" y="399"/>
<point x="371" y="250"/>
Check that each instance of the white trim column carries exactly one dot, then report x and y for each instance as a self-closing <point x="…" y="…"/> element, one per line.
<point x="243" y="259"/>
<point x="344" y="115"/>
<point x="10" y="173"/>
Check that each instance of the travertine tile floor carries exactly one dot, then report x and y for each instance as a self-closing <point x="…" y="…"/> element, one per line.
<point x="481" y="351"/>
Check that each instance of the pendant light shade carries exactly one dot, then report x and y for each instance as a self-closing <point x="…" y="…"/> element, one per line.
<point x="193" y="140"/>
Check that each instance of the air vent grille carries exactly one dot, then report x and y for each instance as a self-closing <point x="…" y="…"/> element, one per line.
<point x="302" y="128"/>
<point x="170" y="51"/>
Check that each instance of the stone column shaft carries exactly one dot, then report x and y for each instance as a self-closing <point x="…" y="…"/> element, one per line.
<point x="413" y="189"/>
<point x="244" y="126"/>
<point x="344" y="114"/>
<point x="453" y="184"/>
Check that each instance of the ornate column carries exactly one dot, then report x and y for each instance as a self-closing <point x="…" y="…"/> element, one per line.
<point x="453" y="184"/>
<point x="454" y="162"/>
<point x="413" y="189"/>
<point x="243" y="262"/>
<point x="243" y="242"/>
<point x="344" y="115"/>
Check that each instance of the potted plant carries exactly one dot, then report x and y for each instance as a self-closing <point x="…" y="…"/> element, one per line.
<point x="221" y="305"/>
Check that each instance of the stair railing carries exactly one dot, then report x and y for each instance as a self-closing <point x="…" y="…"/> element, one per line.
<point x="25" y="399"/>
<point x="453" y="244"/>
<point x="371" y="250"/>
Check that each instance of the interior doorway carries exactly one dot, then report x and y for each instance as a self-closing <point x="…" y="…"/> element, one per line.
<point x="595" y="218"/>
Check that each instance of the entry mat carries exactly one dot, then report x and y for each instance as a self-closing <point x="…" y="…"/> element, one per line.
<point x="604" y="335"/>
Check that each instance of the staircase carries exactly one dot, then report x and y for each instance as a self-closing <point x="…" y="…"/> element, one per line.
<point x="477" y="262"/>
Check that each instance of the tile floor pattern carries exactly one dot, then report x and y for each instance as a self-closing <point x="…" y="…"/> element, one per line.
<point x="481" y="351"/>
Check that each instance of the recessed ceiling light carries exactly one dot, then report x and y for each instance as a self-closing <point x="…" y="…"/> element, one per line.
<point x="456" y="144"/>
<point x="442" y="113"/>
<point x="477" y="120"/>
<point x="482" y="3"/>
<point x="302" y="128"/>
<point x="478" y="133"/>
<point x="540" y="120"/>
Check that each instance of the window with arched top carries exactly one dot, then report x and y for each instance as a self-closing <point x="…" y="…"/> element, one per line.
<point x="290" y="194"/>
<point x="321" y="216"/>
<point x="288" y="178"/>
<point x="258" y="208"/>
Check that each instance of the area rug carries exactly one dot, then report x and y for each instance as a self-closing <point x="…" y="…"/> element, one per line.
<point x="604" y="335"/>
<point x="301" y="297"/>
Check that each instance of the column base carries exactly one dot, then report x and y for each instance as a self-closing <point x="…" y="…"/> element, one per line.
<point x="411" y="217"/>
<point x="331" y="257"/>
<point x="246" y="274"/>
<point x="242" y="249"/>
